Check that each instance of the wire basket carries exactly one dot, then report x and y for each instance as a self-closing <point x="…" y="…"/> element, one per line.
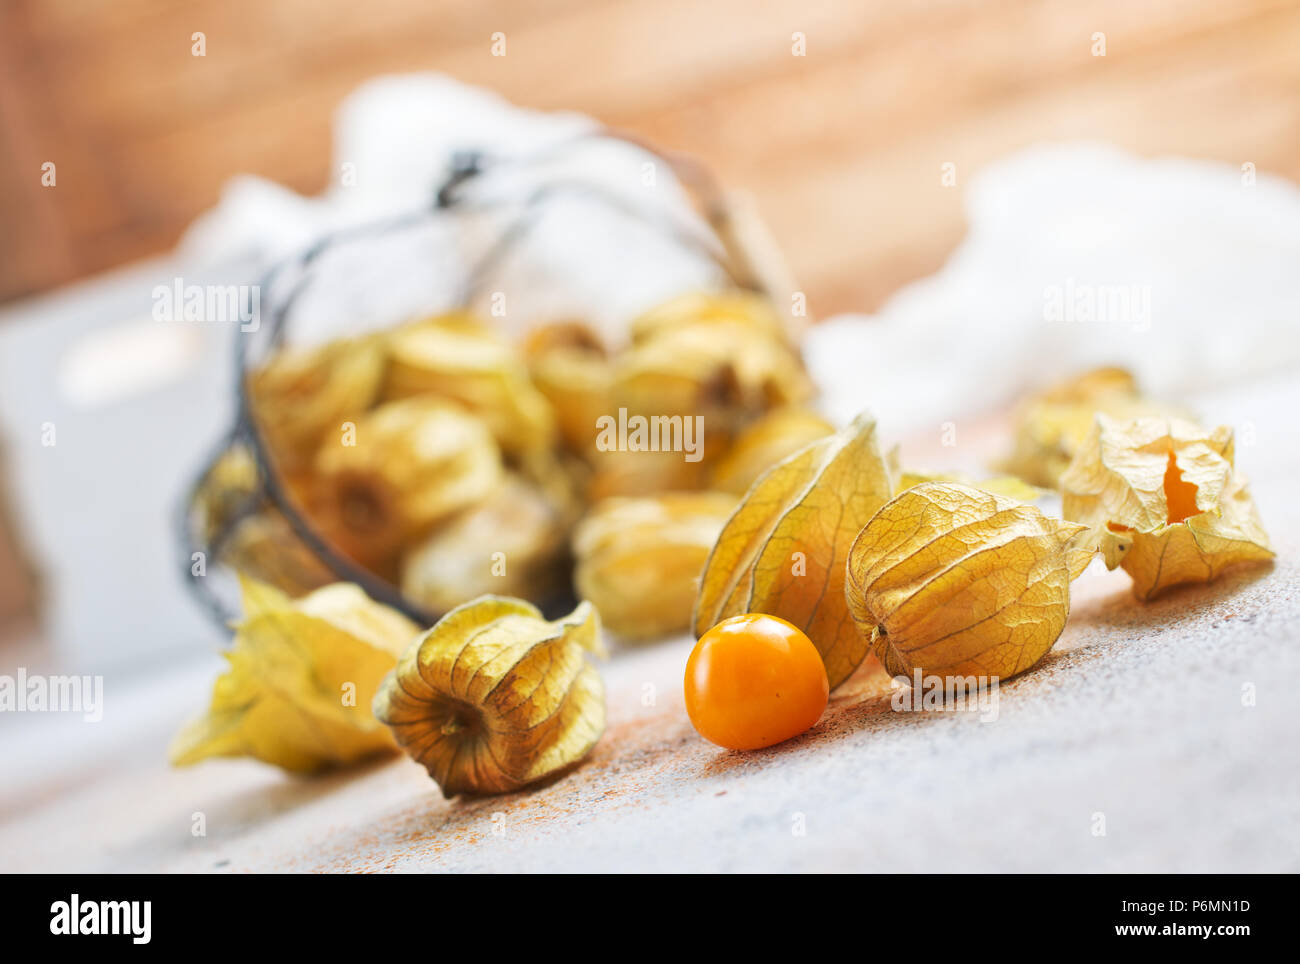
<point x="471" y="230"/>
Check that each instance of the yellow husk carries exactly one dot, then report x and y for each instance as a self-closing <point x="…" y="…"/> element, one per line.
<point x="301" y="678"/>
<point x="639" y="559"/>
<point x="954" y="581"/>
<point x="783" y="551"/>
<point x="1164" y="501"/>
<point x="495" y="697"/>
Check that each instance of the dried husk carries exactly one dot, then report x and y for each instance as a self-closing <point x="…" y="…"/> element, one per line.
<point x="231" y="488"/>
<point x="414" y="464"/>
<point x="1051" y="426"/>
<point x="618" y="473"/>
<point x="495" y="697"/>
<point x="783" y="551"/>
<point x="954" y="581"/>
<point x="248" y="533"/>
<point x="570" y="366"/>
<point x="695" y="308"/>
<point x="1164" y="501"/>
<point x="301" y="678"/>
<point x="639" y="559"/>
<point x="302" y="396"/>
<point x="760" y="445"/>
<point x="1013" y="487"/>
<point x="726" y="368"/>
<point x="459" y="358"/>
<point x="512" y="543"/>
<point x="265" y="547"/>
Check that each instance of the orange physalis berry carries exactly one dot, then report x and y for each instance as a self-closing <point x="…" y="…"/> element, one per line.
<point x="754" y="680"/>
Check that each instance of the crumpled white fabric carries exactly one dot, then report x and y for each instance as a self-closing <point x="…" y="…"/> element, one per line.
<point x="395" y="141"/>
<point x="1217" y="256"/>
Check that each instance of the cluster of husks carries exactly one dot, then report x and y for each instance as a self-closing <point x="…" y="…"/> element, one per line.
<point x="954" y="579"/>
<point x="937" y="576"/>
<point x="453" y="462"/>
<point x="492" y="698"/>
<point x="466" y="457"/>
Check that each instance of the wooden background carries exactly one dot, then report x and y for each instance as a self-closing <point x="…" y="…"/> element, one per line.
<point x="842" y="147"/>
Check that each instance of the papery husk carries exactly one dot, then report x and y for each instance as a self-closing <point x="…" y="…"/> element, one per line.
<point x="753" y="311"/>
<point x="495" y="697"/>
<point x="247" y="533"/>
<point x="301" y="679"/>
<point x="1011" y="486"/>
<point x="511" y="543"/>
<point x="956" y="582"/>
<point x="415" y="464"/>
<point x="302" y="396"/>
<point x="1164" y="501"/>
<point x="265" y="547"/>
<point x="783" y="550"/>
<point x="569" y="365"/>
<point x="639" y="559"/>
<point x="615" y="473"/>
<point x="229" y="490"/>
<point x="727" y="370"/>
<point x="1052" y="425"/>
<point x="460" y="358"/>
<point x="765" y="442"/>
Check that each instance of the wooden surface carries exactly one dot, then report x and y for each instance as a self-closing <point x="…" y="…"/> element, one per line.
<point x="843" y="147"/>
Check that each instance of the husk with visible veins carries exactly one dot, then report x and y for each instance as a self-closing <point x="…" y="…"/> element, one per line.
<point x="783" y="551"/>
<point x="1013" y="487"/>
<point x="495" y="697"/>
<point x="302" y="675"/>
<point x="1164" y="501"/>
<point x="955" y="581"/>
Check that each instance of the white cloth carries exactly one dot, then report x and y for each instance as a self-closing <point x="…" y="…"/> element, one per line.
<point x="1193" y="274"/>
<point x="395" y="142"/>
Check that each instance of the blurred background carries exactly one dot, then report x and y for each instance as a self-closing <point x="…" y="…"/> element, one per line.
<point x="839" y="118"/>
<point x="931" y="171"/>
<point x="841" y="147"/>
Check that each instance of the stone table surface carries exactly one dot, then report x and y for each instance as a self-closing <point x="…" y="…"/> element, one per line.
<point x="1170" y="726"/>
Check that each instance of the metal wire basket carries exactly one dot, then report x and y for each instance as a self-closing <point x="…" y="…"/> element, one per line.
<point x="722" y="231"/>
